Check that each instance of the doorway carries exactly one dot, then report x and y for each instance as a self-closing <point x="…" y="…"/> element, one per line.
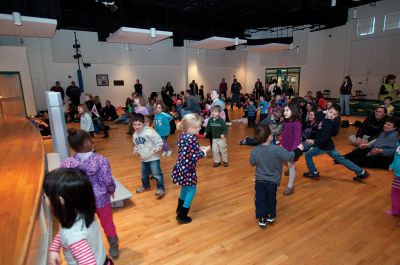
<point x="289" y="76"/>
<point x="12" y="102"/>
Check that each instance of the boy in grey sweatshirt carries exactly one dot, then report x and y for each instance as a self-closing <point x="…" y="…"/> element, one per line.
<point x="268" y="159"/>
<point x="148" y="145"/>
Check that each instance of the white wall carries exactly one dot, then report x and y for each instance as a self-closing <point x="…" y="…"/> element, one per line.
<point x="15" y="59"/>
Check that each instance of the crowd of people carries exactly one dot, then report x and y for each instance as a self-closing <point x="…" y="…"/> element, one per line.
<point x="286" y="127"/>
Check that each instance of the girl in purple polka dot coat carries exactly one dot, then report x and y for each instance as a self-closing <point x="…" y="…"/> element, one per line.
<point x="184" y="171"/>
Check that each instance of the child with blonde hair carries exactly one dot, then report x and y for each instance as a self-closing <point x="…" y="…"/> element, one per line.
<point x="184" y="171"/>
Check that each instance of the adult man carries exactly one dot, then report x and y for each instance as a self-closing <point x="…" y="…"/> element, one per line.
<point x="235" y="92"/>
<point x="138" y="88"/>
<point x="258" y="86"/>
<point x="223" y="88"/>
<point x="194" y="88"/>
<point x="58" y="88"/>
<point x="371" y="128"/>
<point x="74" y="94"/>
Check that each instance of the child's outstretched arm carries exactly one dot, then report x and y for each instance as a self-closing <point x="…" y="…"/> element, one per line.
<point x="106" y="176"/>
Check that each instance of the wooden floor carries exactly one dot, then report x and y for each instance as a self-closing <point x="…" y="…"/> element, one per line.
<point x="330" y="221"/>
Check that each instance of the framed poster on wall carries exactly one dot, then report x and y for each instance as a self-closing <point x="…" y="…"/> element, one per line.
<point x="102" y="80"/>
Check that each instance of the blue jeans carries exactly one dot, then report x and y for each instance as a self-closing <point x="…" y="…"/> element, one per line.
<point x="344" y="104"/>
<point x="187" y="195"/>
<point x="155" y="169"/>
<point x="265" y="199"/>
<point x="315" y="151"/>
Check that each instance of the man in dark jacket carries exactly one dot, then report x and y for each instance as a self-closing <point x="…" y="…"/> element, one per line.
<point x="74" y="94"/>
<point x="258" y="86"/>
<point x="138" y="88"/>
<point x="371" y="128"/>
<point x="235" y="92"/>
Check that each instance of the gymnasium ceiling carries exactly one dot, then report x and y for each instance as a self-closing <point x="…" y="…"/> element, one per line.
<point x="187" y="19"/>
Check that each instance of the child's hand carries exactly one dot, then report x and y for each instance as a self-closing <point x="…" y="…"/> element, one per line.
<point x="156" y="150"/>
<point x="112" y="194"/>
<point x="54" y="258"/>
<point x="362" y="146"/>
<point x="205" y="149"/>
<point x="135" y="151"/>
<point x="309" y="141"/>
<point x="301" y="147"/>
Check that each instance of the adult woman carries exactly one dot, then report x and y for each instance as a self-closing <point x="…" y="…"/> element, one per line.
<point x="345" y="94"/>
<point x="389" y="88"/>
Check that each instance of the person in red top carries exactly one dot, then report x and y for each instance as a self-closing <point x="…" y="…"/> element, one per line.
<point x="321" y="102"/>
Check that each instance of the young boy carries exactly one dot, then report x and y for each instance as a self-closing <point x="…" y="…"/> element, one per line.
<point x="263" y="105"/>
<point x="217" y="127"/>
<point x="268" y="159"/>
<point x="251" y="114"/>
<point x="148" y="144"/>
<point x="323" y="144"/>
<point x="387" y="102"/>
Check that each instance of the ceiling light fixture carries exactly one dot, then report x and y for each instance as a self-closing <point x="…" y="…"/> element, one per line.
<point x="236" y="41"/>
<point x="333" y="3"/>
<point x="153" y="32"/>
<point x="17" y="18"/>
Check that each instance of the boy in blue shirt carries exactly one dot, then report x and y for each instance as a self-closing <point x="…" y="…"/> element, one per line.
<point x="262" y="106"/>
<point x="251" y="114"/>
<point x="323" y="144"/>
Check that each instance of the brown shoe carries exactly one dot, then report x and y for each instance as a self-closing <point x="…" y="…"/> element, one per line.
<point x="288" y="191"/>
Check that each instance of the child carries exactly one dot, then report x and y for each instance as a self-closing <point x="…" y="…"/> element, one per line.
<point x="218" y="129"/>
<point x="268" y="159"/>
<point x="323" y="144"/>
<point x="395" y="166"/>
<point x="387" y="102"/>
<point x="148" y="144"/>
<point x="179" y="107"/>
<point x="86" y="120"/>
<point x="291" y="138"/>
<point x="251" y="114"/>
<point x="184" y="171"/>
<point x="69" y="194"/>
<point x="97" y="168"/>
<point x="162" y="126"/>
<point x="263" y="105"/>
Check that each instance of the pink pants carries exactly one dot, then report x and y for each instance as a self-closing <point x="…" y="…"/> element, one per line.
<point x="396" y="196"/>
<point x="106" y="220"/>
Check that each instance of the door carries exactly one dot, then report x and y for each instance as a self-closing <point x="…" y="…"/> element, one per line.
<point x="11" y="96"/>
<point x="286" y="77"/>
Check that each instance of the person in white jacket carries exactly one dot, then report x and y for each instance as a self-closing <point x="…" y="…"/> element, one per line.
<point x="148" y="145"/>
<point x="86" y="123"/>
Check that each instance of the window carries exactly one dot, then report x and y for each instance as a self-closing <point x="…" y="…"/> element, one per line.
<point x="392" y="21"/>
<point x="366" y="26"/>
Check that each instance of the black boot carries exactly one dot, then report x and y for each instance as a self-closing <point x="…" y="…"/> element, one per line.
<point x="114" y="248"/>
<point x="180" y="204"/>
<point x="182" y="217"/>
<point x="105" y="134"/>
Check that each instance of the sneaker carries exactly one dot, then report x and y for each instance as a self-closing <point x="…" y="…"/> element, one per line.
<point x="160" y="193"/>
<point x="229" y="124"/>
<point x="163" y="153"/>
<point x="242" y="142"/>
<point x="361" y="177"/>
<point x="169" y="153"/>
<point x="314" y="176"/>
<point x="226" y="164"/>
<point x="142" y="189"/>
<point x="288" y="191"/>
<point x="216" y="164"/>
<point x="271" y="220"/>
<point x="262" y="222"/>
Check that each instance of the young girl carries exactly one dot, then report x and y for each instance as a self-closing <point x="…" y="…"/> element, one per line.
<point x="140" y="106"/>
<point x="291" y="138"/>
<point x="395" y="166"/>
<point x="184" y="171"/>
<point x="86" y="119"/>
<point x="69" y="194"/>
<point x="98" y="170"/>
<point x="162" y="126"/>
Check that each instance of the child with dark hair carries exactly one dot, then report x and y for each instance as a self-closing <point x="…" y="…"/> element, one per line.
<point x="387" y="103"/>
<point x="291" y="138"/>
<point x="97" y="168"/>
<point x="148" y="145"/>
<point x="162" y="121"/>
<point x="69" y="194"/>
<point x="251" y="110"/>
<point x="323" y="144"/>
<point x="216" y="126"/>
<point x="268" y="159"/>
